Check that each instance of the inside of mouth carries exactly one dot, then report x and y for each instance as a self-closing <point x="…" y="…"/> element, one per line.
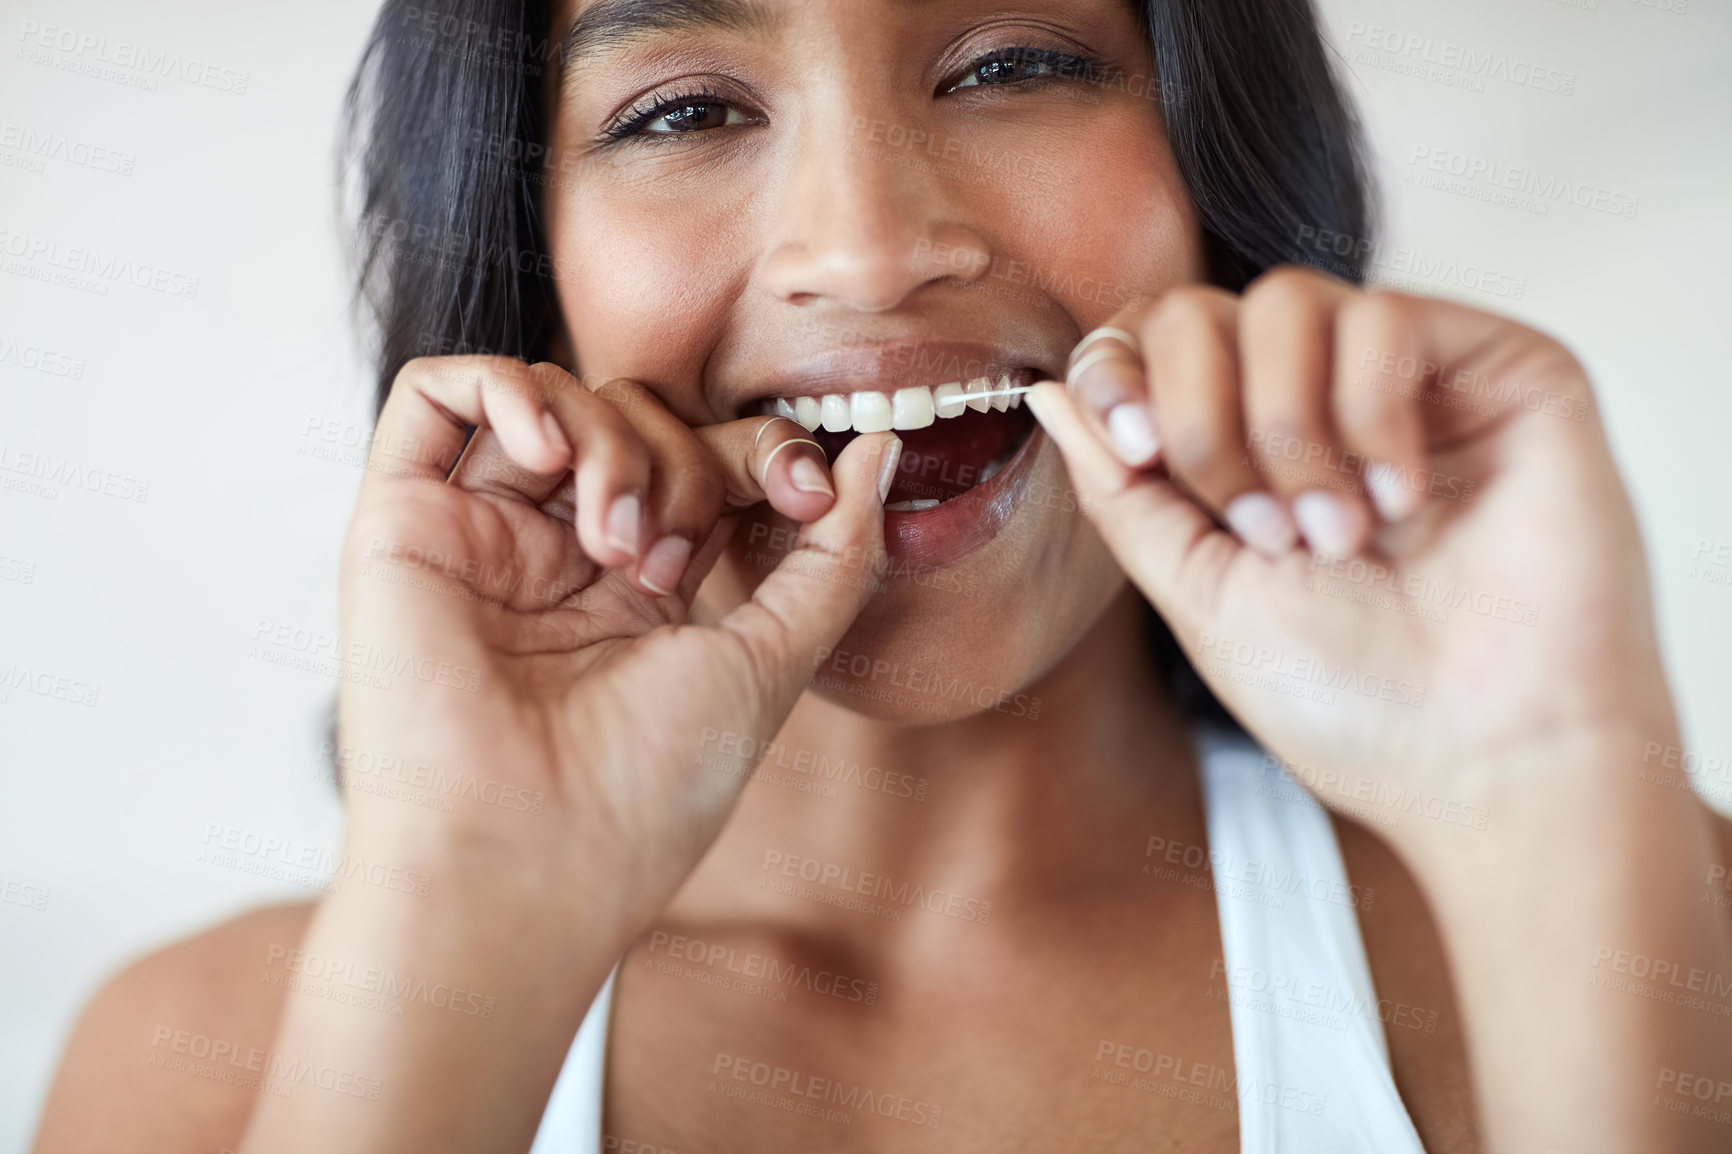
<point x="948" y="457"/>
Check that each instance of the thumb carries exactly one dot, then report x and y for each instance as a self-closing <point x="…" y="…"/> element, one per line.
<point x="809" y="601"/>
<point x="1168" y="546"/>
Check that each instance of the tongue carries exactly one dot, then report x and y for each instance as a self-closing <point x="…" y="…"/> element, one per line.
<point x="947" y="457"/>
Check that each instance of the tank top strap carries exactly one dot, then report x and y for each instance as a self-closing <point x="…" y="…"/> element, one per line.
<point x="571" y="1124"/>
<point x="1312" y="1065"/>
<point x="1308" y="1044"/>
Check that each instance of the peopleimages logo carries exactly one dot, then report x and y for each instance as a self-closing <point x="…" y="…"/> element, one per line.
<point x="1432" y="59"/>
<point x="40" y="146"/>
<point x="380" y="980"/>
<point x="830" y="875"/>
<point x="38" y="359"/>
<point x="40" y="258"/>
<point x="17" y="678"/>
<point x="763" y="968"/>
<point x="90" y="50"/>
<point x="1543" y="189"/>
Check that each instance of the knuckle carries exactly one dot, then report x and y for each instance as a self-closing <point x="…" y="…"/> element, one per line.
<point x="697" y="492"/>
<point x="414" y="368"/>
<point x="1185" y="308"/>
<point x="1280" y="292"/>
<point x="1281" y="433"/>
<point x="622" y="393"/>
<point x="1197" y="451"/>
<point x="1552" y="357"/>
<point x="552" y="378"/>
<point x="1371" y="418"/>
<point x="1382" y="322"/>
<point x="615" y="446"/>
<point x="423" y="371"/>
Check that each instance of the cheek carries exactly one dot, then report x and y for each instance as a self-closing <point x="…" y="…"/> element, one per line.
<point x="1125" y="227"/>
<point x="646" y="287"/>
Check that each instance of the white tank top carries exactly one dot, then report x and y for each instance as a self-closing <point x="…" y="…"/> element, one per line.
<point x="1312" y="1065"/>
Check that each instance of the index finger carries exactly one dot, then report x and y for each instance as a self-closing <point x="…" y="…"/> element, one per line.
<point x="1106" y="374"/>
<point x="434" y="401"/>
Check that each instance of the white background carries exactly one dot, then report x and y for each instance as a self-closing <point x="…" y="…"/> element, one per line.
<point x="209" y="400"/>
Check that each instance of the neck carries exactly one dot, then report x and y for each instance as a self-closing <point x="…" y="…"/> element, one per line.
<point x="995" y="808"/>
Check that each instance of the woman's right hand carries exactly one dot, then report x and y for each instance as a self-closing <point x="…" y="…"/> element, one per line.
<point x="512" y="606"/>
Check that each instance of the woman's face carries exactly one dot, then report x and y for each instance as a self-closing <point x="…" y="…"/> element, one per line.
<point x="799" y="198"/>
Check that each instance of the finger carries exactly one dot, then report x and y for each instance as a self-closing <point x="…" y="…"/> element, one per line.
<point x="772" y="459"/>
<point x="1193" y="366"/>
<point x="684" y="492"/>
<point x="511" y="404"/>
<point x="1286" y="353"/>
<point x="433" y="403"/>
<point x="1287" y="343"/>
<point x="1475" y="363"/>
<point x="810" y="599"/>
<point x="1106" y="376"/>
<point x="1163" y="540"/>
<point x="486" y="467"/>
<point x="1376" y="412"/>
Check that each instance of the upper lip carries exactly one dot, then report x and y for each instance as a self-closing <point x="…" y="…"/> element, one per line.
<point x="890" y="365"/>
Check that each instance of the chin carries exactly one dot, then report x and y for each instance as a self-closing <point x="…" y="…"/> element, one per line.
<point x="973" y="637"/>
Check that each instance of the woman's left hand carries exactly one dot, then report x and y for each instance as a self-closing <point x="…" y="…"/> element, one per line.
<point x="1430" y="573"/>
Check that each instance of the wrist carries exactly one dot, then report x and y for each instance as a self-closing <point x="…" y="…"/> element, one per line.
<point x="481" y="990"/>
<point x="564" y="886"/>
<point x="1577" y="810"/>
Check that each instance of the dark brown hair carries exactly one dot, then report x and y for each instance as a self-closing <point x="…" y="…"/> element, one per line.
<point x="444" y="163"/>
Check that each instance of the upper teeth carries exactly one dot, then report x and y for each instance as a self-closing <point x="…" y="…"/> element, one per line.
<point x="914" y="408"/>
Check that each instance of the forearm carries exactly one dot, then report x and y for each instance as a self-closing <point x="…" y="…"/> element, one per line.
<point x="492" y="969"/>
<point x="1595" y="980"/>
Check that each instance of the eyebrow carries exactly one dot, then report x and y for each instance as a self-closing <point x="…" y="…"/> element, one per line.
<point x="613" y="23"/>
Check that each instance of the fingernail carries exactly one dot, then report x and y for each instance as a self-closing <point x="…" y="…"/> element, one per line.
<point x="809" y="478"/>
<point x="555" y="435"/>
<point x="1259" y="520"/>
<point x="1133" y="433"/>
<point x="625" y="523"/>
<point x="1331" y="526"/>
<point x="1035" y="399"/>
<point x="887" y="468"/>
<point x="1394" y="500"/>
<point x="666" y="564"/>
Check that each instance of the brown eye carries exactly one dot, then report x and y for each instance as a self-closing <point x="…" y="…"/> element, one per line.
<point x="693" y="118"/>
<point x="1023" y="65"/>
<point x="1009" y="71"/>
<point x="677" y="114"/>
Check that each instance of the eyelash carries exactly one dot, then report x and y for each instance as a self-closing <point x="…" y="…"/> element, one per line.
<point x="631" y="124"/>
<point x="1065" y="66"/>
<point x="633" y="121"/>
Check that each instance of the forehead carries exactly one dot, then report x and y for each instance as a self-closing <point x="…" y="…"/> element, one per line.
<point x="592" y="26"/>
<point x="586" y="31"/>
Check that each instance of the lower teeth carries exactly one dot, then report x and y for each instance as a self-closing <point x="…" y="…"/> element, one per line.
<point x="992" y="469"/>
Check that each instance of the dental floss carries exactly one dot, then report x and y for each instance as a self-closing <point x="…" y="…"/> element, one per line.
<point x="1014" y="391"/>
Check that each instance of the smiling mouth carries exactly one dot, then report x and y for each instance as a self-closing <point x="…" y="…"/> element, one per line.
<point x="953" y="438"/>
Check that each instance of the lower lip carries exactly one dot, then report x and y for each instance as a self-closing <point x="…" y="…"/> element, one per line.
<point x="945" y="535"/>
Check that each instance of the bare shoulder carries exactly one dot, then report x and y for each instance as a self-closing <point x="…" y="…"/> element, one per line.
<point x="150" y="1067"/>
<point x="1416" y="999"/>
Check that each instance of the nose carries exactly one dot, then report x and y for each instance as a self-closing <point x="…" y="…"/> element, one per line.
<point x="862" y="224"/>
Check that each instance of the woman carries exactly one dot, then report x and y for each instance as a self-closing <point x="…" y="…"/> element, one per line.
<point x="742" y="299"/>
